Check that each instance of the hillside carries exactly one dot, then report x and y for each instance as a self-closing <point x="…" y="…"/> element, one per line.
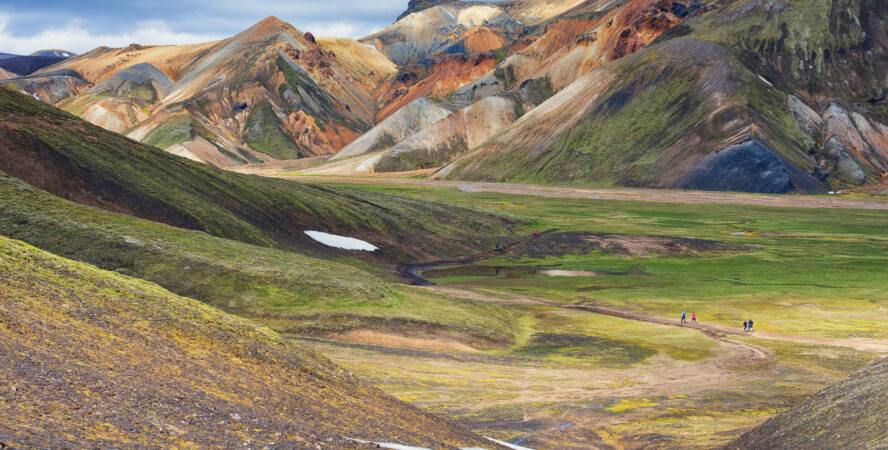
<point x="6" y="75"/>
<point x="290" y="292"/>
<point x="73" y="159"/>
<point x="95" y="358"/>
<point x="850" y="414"/>
<point x="772" y="128"/>
<point x="26" y="65"/>
<point x="519" y="55"/>
<point x="268" y="93"/>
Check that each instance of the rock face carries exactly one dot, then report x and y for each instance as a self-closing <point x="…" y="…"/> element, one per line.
<point x="793" y="77"/>
<point x="448" y="138"/>
<point x="751" y="167"/>
<point x="51" y="87"/>
<point x="268" y="93"/>
<point x="637" y="121"/>
<point x="466" y="52"/>
<point x="414" y="117"/>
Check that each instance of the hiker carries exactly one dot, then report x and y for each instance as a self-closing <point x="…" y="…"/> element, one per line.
<point x="744" y="324"/>
<point x="684" y="317"/>
<point x="750" y="324"/>
<point x="693" y="317"/>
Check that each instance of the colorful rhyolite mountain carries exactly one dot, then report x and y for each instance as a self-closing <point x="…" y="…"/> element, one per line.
<point x="747" y="95"/>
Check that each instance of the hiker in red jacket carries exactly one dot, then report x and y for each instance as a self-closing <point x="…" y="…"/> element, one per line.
<point x="693" y="317"/>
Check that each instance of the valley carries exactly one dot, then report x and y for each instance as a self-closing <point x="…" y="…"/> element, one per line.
<point x="601" y="360"/>
<point x="522" y="224"/>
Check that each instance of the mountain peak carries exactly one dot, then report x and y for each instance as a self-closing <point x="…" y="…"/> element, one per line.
<point x="267" y="26"/>
<point x="419" y="5"/>
<point x="271" y="20"/>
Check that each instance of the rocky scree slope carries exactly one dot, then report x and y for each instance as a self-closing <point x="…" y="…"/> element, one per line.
<point x="556" y="43"/>
<point x="268" y="93"/>
<point x="758" y="114"/>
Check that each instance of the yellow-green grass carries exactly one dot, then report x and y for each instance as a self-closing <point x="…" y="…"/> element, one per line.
<point x="810" y="271"/>
<point x="292" y="292"/>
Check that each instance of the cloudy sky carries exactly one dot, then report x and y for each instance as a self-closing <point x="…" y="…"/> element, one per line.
<point x="81" y="25"/>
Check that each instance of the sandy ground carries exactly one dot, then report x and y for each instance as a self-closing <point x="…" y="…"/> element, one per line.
<point x="626" y="194"/>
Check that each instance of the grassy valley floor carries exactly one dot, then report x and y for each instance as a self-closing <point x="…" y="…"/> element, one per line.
<point x="633" y="377"/>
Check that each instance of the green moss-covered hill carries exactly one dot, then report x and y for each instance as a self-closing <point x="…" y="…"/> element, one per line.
<point x="73" y="159"/>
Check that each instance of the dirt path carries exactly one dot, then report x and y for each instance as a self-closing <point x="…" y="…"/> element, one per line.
<point x="715" y="331"/>
<point x="626" y="194"/>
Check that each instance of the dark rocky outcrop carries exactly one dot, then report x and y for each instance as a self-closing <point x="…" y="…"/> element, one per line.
<point x="751" y="167"/>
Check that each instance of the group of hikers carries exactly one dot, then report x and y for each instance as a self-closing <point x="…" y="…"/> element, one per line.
<point x="747" y="324"/>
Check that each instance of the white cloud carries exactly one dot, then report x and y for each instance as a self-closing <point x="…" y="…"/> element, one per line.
<point x="341" y="29"/>
<point x="74" y="37"/>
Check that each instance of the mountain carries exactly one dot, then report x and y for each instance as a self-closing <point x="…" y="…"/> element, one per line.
<point x="724" y="101"/>
<point x="556" y="43"/>
<point x="75" y="160"/>
<point x="544" y="91"/>
<point x="850" y="414"/>
<point x="6" y="75"/>
<point x="95" y="358"/>
<point x="54" y="52"/>
<point x="26" y="65"/>
<point x="271" y="92"/>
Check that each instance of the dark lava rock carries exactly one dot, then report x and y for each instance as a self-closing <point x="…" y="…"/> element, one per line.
<point x="238" y="107"/>
<point x="751" y="167"/>
<point x="820" y="174"/>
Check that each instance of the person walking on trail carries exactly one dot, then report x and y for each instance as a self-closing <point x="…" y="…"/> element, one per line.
<point x="684" y="317"/>
<point x="745" y="322"/>
<point x="750" y="324"/>
<point x="693" y="317"/>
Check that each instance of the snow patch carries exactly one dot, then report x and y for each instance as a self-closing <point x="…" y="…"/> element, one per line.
<point x="343" y="242"/>
<point x="568" y="273"/>
<point x="766" y="81"/>
<point x="507" y="445"/>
